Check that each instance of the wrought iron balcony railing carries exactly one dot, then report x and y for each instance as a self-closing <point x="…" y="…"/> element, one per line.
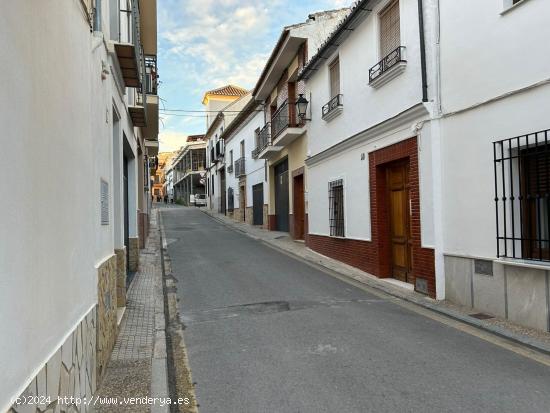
<point x="333" y="104"/>
<point x="264" y="140"/>
<point x="230" y="168"/>
<point x="151" y="75"/>
<point x="240" y="167"/>
<point x="280" y="120"/>
<point x="392" y="59"/>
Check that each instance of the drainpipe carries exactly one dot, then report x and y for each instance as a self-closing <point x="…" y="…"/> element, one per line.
<point x="422" y="51"/>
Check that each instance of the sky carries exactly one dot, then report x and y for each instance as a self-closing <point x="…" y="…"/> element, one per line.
<point x="205" y="44"/>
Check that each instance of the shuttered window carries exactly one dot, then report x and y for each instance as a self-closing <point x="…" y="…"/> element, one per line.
<point x="390" y="37"/>
<point x="334" y="78"/>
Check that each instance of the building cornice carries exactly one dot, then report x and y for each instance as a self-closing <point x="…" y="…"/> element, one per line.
<point x="407" y="117"/>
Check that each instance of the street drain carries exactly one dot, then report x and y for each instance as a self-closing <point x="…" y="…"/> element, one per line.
<point x="481" y="316"/>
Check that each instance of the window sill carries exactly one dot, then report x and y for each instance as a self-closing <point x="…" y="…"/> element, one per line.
<point x="516" y="262"/>
<point x="389" y="75"/>
<point x="333" y="113"/>
<point x="512" y="7"/>
<point x="337" y="237"/>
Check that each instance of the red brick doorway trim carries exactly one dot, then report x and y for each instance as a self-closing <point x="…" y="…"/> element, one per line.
<point x="374" y="256"/>
<point x="423" y="259"/>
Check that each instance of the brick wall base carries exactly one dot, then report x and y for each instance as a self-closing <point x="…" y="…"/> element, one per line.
<point x="374" y="256"/>
<point x="272" y="222"/>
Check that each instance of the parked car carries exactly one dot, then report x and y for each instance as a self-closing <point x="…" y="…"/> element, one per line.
<point x="200" y="200"/>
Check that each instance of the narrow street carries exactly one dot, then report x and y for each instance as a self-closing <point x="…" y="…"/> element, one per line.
<point x="268" y="333"/>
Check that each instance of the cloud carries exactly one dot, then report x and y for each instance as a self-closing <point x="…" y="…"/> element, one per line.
<point x="215" y="41"/>
<point x="170" y="140"/>
<point x="205" y="44"/>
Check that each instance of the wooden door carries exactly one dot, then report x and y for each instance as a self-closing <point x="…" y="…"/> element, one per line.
<point x="298" y="207"/>
<point x="397" y="177"/>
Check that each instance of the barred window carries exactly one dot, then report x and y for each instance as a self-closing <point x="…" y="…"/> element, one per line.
<point x="230" y="200"/>
<point x="336" y="208"/>
<point x="522" y="196"/>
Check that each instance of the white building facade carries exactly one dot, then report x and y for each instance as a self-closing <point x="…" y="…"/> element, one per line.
<point x="247" y="186"/>
<point x="370" y="171"/>
<point x="494" y="121"/>
<point x="222" y="106"/>
<point x="77" y="123"/>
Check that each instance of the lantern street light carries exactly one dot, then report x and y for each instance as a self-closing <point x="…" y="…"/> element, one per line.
<point x="301" y="105"/>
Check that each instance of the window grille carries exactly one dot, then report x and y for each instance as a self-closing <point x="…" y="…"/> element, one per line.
<point x="336" y="208"/>
<point x="390" y="36"/>
<point x="522" y="196"/>
<point x="230" y="200"/>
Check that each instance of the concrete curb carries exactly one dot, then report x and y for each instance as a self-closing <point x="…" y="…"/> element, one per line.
<point x="159" y="364"/>
<point x="420" y="301"/>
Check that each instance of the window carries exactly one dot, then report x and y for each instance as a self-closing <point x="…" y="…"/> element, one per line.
<point x="336" y="208"/>
<point x="334" y="69"/>
<point x="230" y="200"/>
<point x="242" y="149"/>
<point x="212" y="192"/>
<point x="257" y="138"/>
<point x="390" y="36"/>
<point x="522" y="196"/>
<point x="231" y="157"/>
<point x="97" y="16"/>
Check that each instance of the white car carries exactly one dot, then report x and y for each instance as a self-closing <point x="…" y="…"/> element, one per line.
<point x="200" y="200"/>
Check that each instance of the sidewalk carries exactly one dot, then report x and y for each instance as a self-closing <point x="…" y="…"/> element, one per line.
<point x="137" y="367"/>
<point x="532" y="338"/>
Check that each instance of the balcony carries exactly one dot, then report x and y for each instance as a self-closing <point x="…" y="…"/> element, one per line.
<point x="151" y="75"/>
<point x="128" y="46"/>
<point x="285" y="128"/>
<point x="219" y="149"/>
<point x="137" y="109"/>
<point x="333" y="108"/>
<point x="230" y="168"/>
<point x="152" y="147"/>
<point x="151" y="90"/>
<point x="388" y="68"/>
<point x="213" y="157"/>
<point x="240" y="168"/>
<point x="265" y="149"/>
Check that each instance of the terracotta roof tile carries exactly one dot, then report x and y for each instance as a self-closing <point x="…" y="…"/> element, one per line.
<point x="228" y="90"/>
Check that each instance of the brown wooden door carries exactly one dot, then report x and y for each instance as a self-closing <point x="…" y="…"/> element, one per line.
<point x="298" y="207"/>
<point x="399" y="215"/>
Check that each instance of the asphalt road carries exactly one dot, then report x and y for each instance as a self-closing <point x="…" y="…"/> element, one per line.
<point x="268" y="333"/>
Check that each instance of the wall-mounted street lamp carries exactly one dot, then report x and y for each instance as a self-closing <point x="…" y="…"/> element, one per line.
<point x="301" y="106"/>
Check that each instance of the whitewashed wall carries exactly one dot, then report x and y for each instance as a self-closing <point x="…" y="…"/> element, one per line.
<point x="365" y="106"/>
<point x="255" y="172"/>
<point x="499" y="54"/>
<point x="47" y="277"/>
<point x="57" y="139"/>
